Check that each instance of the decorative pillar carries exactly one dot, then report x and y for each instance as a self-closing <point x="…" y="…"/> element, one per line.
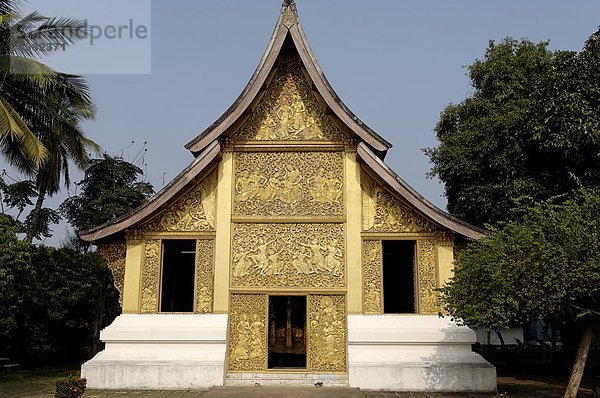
<point x="353" y="230"/>
<point x="223" y="237"/>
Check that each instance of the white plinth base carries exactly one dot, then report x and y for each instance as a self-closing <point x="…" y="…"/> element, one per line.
<point x="286" y="379"/>
<point x="415" y="353"/>
<point x="166" y="351"/>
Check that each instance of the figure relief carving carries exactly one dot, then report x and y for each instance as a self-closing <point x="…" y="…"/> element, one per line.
<point x="383" y="212"/>
<point x="288" y="255"/>
<point x="205" y="259"/>
<point x="289" y="110"/>
<point x="428" y="277"/>
<point x="327" y="343"/>
<point x="115" y="255"/>
<point x="194" y="212"/>
<point x="289" y="184"/>
<point x="372" y="276"/>
<point x="247" y="329"/>
<point x="151" y="276"/>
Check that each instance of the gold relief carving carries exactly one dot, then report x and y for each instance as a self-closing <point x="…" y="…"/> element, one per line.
<point x="194" y="212"/>
<point x="288" y="255"/>
<point x="289" y="183"/>
<point x="151" y="276"/>
<point x="428" y="277"/>
<point x="115" y="255"/>
<point x="327" y="339"/>
<point x="289" y="110"/>
<point x="247" y="332"/>
<point x="383" y="212"/>
<point x="372" y="276"/>
<point x="205" y="259"/>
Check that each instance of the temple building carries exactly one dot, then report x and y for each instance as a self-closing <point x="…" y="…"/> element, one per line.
<point x="287" y="252"/>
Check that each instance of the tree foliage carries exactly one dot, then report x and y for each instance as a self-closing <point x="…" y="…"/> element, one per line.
<point x="543" y="265"/>
<point x="532" y="121"/>
<point x="18" y="196"/>
<point x="40" y="108"/>
<point x="111" y="187"/>
<point x="52" y="301"/>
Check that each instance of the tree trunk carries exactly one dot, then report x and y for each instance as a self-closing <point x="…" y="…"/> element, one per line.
<point x="579" y="365"/>
<point x="501" y="338"/>
<point x="35" y="216"/>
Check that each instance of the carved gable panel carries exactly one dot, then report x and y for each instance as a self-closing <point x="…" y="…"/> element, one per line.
<point x="289" y="184"/>
<point x="289" y="110"/>
<point x="288" y="255"/>
<point x="383" y="212"/>
<point x="193" y="212"/>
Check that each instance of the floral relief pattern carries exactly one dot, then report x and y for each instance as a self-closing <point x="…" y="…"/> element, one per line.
<point x="288" y="255"/>
<point x="151" y="276"/>
<point x="115" y="255"/>
<point x="383" y="212"/>
<point x="289" y="184"/>
<point x="205" y="259"/>
<point x="194" y="212"/>
<point x="427" y="277"/>
<point x="372" y="276"/>
<point x="247" y="332"/>
<point x="327" y="339"/>
<point x="289" y="110"/>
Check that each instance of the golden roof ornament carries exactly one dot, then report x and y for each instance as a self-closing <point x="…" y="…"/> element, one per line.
<point x="289" y="13"/>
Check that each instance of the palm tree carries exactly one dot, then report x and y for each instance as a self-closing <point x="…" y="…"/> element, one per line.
<point x="41" y="110"/>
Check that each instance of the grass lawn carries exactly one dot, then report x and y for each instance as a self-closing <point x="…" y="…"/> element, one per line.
<point x="32" y="383"/>
<point x="40" y="383"/>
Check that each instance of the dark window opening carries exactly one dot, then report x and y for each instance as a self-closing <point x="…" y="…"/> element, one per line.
<point x="399" y="276"/>
<point x="178" y="274"/>
<point x="287" y="332"/>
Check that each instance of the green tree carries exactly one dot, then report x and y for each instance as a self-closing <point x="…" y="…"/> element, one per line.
<point x="41" y="109"/>
<point x="111" y="187"/>
<point x="543" y="265"/>
<point x="532" y="120"/>
<point x="17" y="196"/>
<point x="53" y="302"/>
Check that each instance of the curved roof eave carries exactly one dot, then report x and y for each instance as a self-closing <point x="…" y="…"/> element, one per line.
<point x="189" y="174"/>
<point x="425" y="207"/>
<point x="289" y="23"/>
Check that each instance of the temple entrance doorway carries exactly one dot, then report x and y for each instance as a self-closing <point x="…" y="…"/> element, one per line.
<point x="287" y="332"/>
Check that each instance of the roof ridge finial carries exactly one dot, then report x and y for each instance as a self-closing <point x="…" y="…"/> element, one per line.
<point x="289" y="15"/>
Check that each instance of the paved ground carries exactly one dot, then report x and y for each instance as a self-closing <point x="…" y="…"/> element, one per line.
<point x="40" y="383"/>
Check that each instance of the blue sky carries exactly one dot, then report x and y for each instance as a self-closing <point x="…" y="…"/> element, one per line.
<point x="395" y="63"/>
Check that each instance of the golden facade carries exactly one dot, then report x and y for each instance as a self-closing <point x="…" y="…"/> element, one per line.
<point x="277" y="215"/>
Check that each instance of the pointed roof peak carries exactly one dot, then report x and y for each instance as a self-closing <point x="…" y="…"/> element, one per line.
<point x="289" y="30"/>
<point x="289" y="13"/>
